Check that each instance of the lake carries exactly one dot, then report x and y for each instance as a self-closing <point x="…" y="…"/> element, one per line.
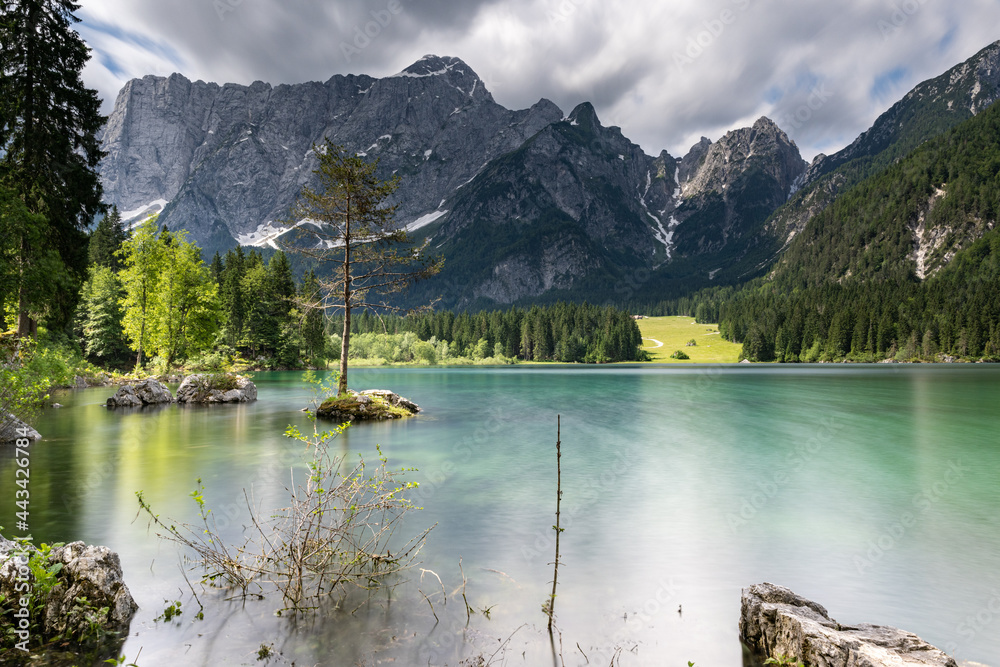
<point x="874" y="491"/>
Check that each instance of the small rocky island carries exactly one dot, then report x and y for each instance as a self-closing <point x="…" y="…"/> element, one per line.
<point x="199" y="388"/>
<point x="370" y="405"/>
<point x="147" y="392"/>
<point x="216" y="388"/>
<point x="776" y="622"/>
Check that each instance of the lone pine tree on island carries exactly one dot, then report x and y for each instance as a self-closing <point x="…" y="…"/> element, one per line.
<point x="353" y="228"/>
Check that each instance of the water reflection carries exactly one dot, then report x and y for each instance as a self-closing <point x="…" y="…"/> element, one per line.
<point x="681" y="486"/>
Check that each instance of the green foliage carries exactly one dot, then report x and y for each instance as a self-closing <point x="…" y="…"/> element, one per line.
<point x="171" y="305"/>
<point x="142" y="257"/>
<point x="679" y="354"/>
<point x="171" y="611"/>
<point x="48" y="130"/>
<point x="783" y="660"/>
<point x="101" y="318"/>
<point x="107" y="240"/>
<point x="21" y="389"/>
<point x="32" y="272"/>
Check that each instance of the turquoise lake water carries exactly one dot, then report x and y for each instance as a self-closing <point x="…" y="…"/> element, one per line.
<point x="872" y="490"/>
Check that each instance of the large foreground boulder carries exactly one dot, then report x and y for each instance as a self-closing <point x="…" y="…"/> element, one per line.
<point x="775" y="622"/>
<point x="12" y="429"/>
<point x="370" y="405"/>
<point x="147" y="392"/>
<point x="89" y="591"/>
<point x="216" y="388"/>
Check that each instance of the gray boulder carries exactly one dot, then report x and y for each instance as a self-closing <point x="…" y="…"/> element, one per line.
<point x="216" y="389"/>
<point x="11" y="430"/>
<point x="775" y="621"/>
<point x="147" y="392"/>
<point x="392" y="399"/>
<point x="91" y="572"/>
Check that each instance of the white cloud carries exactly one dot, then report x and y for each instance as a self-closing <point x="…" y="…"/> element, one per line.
<point x="667" y="72"/>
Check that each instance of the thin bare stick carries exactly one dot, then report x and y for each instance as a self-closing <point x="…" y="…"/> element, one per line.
<point x="436" y="619"/>
<point x="423" y="571"/>
<point x="468" y="609"/>
<point x="505" y="642"/>
<point x="550" y="610"/>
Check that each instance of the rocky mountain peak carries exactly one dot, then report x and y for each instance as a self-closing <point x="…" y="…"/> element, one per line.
<point x="585" y="115"/>
<point x="762" y="146"/>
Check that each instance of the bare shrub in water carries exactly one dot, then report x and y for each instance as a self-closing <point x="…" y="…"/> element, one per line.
<point x="336" y="535"/>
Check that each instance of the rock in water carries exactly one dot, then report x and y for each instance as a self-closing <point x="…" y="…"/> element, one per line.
<point x="775" y="621"/>
<point x="11" y="429"/>
<point x="370" y="405"/>
<point x="90" y="572"/>
<point x="147" y="392"/>
<point x="216" y="389"/>
<point x="392" y="399"/>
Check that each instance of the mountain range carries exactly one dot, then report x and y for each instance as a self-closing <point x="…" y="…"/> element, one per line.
<point x="528" y="205"/>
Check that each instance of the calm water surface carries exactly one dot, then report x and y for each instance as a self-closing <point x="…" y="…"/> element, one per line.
<point x="872" y="490"/>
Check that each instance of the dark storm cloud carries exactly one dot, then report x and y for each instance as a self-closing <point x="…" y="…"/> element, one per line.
<point x="666" y="72"/>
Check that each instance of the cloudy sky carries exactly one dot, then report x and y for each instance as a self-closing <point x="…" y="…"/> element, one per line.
<point x="665" y="71"/>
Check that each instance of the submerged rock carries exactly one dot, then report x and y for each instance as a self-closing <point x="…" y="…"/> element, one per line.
<point x="369" y="405"/>
<point x="11" y="430"/>
<point x="222" y="388"/>
<point x="147" y="392"/>
<point x="89" y="590"/>
<point x="774" y="621"/>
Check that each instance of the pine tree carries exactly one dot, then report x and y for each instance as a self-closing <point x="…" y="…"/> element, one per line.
<point x="107" y="240"/>
<point x="313" y="333"/>
<point x="100" y="304"/>
<point x="48" y="141"/>
<point x="357" y="231"/>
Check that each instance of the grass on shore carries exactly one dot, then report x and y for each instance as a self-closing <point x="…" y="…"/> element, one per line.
<point x="675" y="332"/>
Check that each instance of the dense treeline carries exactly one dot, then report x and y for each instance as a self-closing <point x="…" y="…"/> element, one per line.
<point x="564" y="332"/>
<point x="148" y="293"/>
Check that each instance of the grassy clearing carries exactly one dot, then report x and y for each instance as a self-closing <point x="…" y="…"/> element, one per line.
<point x="675" y="332"/>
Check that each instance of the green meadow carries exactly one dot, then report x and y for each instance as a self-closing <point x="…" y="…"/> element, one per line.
<point x="674" y="334"/>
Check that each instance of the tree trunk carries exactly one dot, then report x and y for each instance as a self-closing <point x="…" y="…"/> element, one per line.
<point x="345" y="343"/>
